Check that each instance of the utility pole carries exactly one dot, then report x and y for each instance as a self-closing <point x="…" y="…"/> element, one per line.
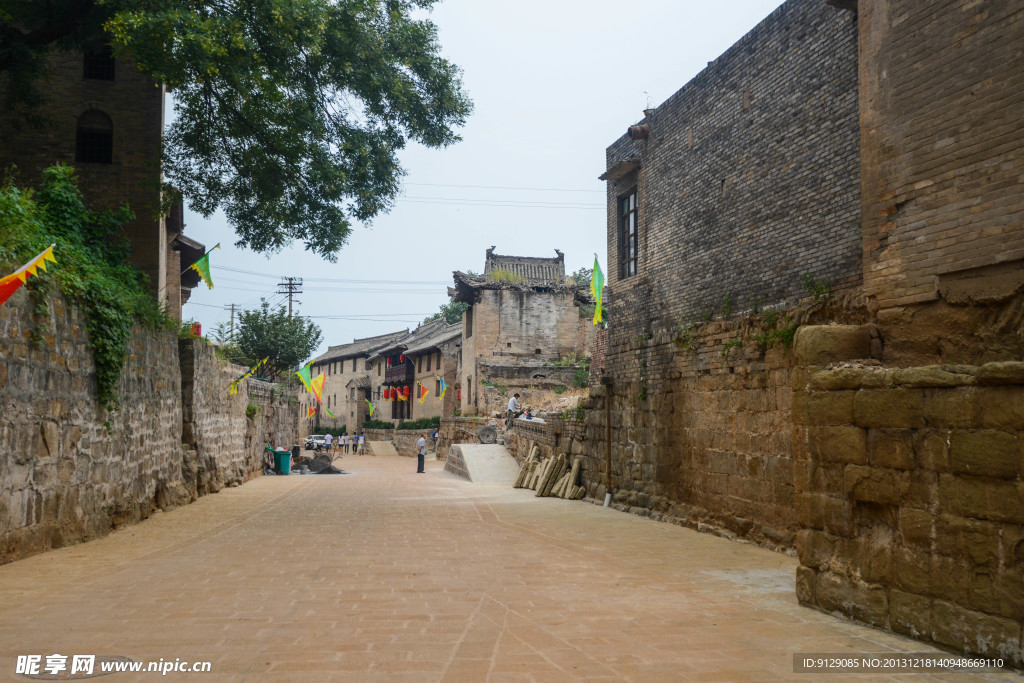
<point x="290" y="286"/>
<point x="232" y="308"/>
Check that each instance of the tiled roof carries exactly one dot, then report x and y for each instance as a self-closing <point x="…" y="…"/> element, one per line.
<point x="359" y="347"/>
<point x="426" y="336"/>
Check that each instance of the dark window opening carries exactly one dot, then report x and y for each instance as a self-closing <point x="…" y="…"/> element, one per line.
<point x="628" y="242"/>
<point x="469" y="323"/>
<point x="98" y="64"/>
<point x="94" y="138"/>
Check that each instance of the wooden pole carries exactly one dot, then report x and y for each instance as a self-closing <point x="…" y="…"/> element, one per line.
<point x="607" y="382"/>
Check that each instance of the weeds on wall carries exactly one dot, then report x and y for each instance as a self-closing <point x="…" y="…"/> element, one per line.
<point x="251" y="410"/>
<point x="92" y="268"/>
<point x="819" y="290"/>
<point x="728" y="346"/>
<point x="576" y="413"/>
<point x="559" y="388"/>
<point x="685" y="337"/>
<point x="506" y="276"/>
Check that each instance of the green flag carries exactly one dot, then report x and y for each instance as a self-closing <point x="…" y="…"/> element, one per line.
<point x="597" y="289"/>
<point x="371" y="406"/>
<point x="202" y="266"/>
<point x="304" y="375"/>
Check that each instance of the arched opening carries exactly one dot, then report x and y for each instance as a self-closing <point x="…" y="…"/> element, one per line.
<point x="94" y="138"/>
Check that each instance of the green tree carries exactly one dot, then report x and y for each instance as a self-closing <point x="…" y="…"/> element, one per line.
<point x="285" y="341"/>
<point x="582" y="277"/>
<point x="452" y="312"/>
<point x="289" y="113"/>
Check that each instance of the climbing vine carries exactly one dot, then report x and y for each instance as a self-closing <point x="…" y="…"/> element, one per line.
<point x="92" y="266"/>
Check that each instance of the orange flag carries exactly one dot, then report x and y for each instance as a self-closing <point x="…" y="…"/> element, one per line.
<point x="316" y="385"/>
<point x="10" y="283"/>
<point x="310" y="411"/>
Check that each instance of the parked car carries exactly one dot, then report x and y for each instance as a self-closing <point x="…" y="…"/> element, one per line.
<point x="315" y="441"/>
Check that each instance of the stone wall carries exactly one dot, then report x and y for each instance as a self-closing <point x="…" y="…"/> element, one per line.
<point x="70" y="471"/>
<point x="552" y="437"/>
<point x="457" y="430"/>
<point x="701" y="432"/>
<point x="910" y="495"/>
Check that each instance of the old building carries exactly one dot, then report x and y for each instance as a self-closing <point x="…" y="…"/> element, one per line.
<point x="105" y="118"/>
<point x="411" y="365"/>
<point x="523" y="314"/>
<point x="347" y="380"/>
<point x="842" y="184"/>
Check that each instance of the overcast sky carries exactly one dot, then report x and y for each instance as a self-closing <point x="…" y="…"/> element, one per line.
<point x="553" y="84"/>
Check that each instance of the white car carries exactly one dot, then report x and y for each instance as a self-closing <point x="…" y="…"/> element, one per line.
<point x="315" y="440"/>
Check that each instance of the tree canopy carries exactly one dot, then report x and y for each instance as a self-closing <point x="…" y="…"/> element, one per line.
<point x="289" y="114"/>
<point x="285" y="341"/>
<point x="451" y="312"/>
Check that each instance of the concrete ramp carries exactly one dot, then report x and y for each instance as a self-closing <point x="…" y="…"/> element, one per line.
<point x="482" y="464"/>
<point x="380" y="448"/>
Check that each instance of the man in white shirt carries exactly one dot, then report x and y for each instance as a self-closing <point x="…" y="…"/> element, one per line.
<point x="327" y="441"/>
<point x="513" y="406"/>
<point x="362" y="443"/>
<point x="421" y="451"/>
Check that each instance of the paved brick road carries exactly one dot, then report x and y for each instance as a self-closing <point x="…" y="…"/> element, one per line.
<point x="389" y="575"/>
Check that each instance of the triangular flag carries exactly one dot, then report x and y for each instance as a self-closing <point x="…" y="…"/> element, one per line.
<point x="423" y="393"/>
<point x="444" y="387"/>
<point x="304" y="375"/>
<point x="9" y="284"/>
<point x="597" y="289"/>
<point x="310" y="411"/>
<point x="371" y="406"/>
<point x="316" y="385"/>
<point x="330" y="414"/>
<point x="202" y="266"/>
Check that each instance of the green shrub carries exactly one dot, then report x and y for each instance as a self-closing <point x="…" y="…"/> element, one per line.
<point x="422" y="423"/>
<point x="378" y="424"/>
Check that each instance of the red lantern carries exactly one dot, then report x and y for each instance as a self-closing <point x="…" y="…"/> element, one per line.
<point x="387" y="393"/>
<point x="401" y="358"/>
<point x="405" y="392"/>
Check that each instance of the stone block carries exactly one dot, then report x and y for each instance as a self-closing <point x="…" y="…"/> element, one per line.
<point x="805" y="582"/>
<point x="931" y="449"/>
<point x="837" y="444"/>
<point x="891" y="448"/>
<point x="912" y="570"/>
<point x="975" y="632"/>
<point x="873" y="485"/>
<point x="910" y="614"/>
<point x="899" y="407"/>
<point x="971" y="539"/>
<point x="815" y="548"/>
<point x="1002" y="407"/>
<point x="987" y="452"/>
<point x="952" y="408"/>
<point x="854" y="600"/>
<point x="1003" y="372"/>
<point x="824" y="344"/>
<point x="930" y="376"/>
<point x="916" y="527"/>
<point x="835" y="378"/>
<point x="829" y="407"/>
<point x="995" y="500"/>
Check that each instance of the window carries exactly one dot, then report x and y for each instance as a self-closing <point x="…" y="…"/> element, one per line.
<point x="437" y="387"/>
<point x="98" y="64"/>
<point x="469" y="322"/>
<point x="94" y="138"/>
<point x="353" y="396"/>
<point x="353" y="365"/>
<point x="627" y="235"/>
<point x="419" y="364"/>
<point x="378" y="368"/>
<point x="429" y="359"/>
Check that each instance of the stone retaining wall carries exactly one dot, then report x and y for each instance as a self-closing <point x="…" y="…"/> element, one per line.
<point x="910" y="495"/>
<point x="457" y="430"/>
<point x="71" y="471"/>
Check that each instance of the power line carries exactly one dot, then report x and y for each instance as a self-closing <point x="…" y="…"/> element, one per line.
<point x="505" y="187"/>
<point x="343" y="280"/>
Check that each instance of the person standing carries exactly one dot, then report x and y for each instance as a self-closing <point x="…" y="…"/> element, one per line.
<point x="344" y="443"/>
<point x="421" y="452"/>
<point x="327" y="441"/>
<point x="513" y="406"/>
<point x="362" y="443"/>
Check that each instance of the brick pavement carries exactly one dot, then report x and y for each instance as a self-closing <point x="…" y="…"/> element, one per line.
<point x="388" y="575"/>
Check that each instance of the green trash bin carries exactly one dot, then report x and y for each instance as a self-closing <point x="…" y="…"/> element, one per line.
<point x="283" y="461"/>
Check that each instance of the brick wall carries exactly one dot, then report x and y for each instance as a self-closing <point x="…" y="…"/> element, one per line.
<point x="749" y="179"/>
<point x="942" y="87"/>
<point x="910" y="495"/>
